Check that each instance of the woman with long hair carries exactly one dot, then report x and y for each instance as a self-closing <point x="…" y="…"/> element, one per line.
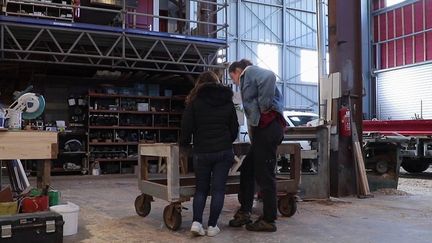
<point x="210" y="118"/>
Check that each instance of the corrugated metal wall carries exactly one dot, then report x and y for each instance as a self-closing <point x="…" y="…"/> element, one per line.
<point x="402" y="40"/>
<point x="405" y="93"/>
<point x="402" y="33"/>
<point x="272" y="33"/>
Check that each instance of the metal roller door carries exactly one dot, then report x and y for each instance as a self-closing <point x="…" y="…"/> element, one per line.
<point x="405" y="93"/>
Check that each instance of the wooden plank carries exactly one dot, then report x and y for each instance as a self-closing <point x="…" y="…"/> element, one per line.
<point x="173" y="174"/>
<point x="28" y="136"/>
<point x="154" y="189"/>
<point x="28" y="145"/>
<point x="26" y="151"/>
<point x="155" y="149"/>
<point x="363" y="184"/>
<point x="361" y="171"/>
<point x="171" y="152"/>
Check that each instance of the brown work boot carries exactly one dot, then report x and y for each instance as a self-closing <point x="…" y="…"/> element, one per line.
<point x="240" y="219"/>
<point x="262" y="225"/>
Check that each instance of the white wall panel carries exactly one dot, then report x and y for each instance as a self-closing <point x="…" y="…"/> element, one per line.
<point x="405" y="93"/>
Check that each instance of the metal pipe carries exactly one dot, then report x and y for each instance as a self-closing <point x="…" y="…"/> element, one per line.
<point x="238" y="29"/>
<point x="402" y="37"/>
<point x="401" y="67"/>
<point x="2" y="39"/>
<point x="322" y="54"/>
<point x="279" y="6"/>
<point x="371" y="77"/>
<point x="210" y="2"/>
<point x="123" y="18"/>
<point x="111" y="66"/>
<point x="421" y="109"/>
<point x="322" y="60"/>
<point x="177" y="19"/>
<point x="284" y="52"/>
<point x="276" y="43"/>
<point x="107" y="57"/>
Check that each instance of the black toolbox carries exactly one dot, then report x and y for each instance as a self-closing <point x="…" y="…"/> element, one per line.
<point x="40" y="227"/>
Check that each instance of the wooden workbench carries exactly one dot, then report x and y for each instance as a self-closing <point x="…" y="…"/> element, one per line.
<point x="31" y="145"/>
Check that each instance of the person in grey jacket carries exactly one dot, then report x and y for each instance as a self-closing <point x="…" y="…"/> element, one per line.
<point x="262" y="103"/>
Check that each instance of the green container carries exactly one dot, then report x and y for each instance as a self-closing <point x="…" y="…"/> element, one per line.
<point x="35" y="192"/>
<point x="54" y="197"/>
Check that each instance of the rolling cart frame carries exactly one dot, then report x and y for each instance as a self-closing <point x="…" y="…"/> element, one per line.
<point x="176" y="188"/>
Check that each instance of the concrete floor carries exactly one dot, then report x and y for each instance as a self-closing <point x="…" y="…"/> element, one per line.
<point x="108" y="215"/>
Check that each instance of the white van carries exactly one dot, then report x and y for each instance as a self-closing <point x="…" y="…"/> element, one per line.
<point x="300" y="119"/>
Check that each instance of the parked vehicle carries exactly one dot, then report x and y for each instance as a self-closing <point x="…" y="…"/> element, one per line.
<point x="414" y="136"/>
<point x="298" y="118"/>
<point x="302" y="119"/>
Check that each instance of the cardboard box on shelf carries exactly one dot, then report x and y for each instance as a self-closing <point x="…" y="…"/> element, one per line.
<point x="142" y="106"/>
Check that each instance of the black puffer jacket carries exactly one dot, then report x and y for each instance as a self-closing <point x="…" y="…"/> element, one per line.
<point x="211" y="119"/>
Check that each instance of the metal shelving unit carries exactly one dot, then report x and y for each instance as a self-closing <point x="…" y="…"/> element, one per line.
<point x="40" y="9"/>
<point x="134" y="127"/>
<point x="105" y="145"/>
<point x="76" y="157"/>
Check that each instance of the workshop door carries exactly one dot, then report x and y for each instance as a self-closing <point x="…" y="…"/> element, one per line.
<point x="405" y="93"/>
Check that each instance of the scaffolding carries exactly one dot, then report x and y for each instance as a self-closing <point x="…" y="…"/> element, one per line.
<point x="122" y="45"/>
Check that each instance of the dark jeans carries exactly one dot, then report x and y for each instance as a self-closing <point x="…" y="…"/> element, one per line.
<point x="259" y="165"/>
<point x="211" y="169"/>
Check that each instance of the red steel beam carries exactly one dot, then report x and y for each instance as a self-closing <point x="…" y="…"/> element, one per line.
<point x="402" y="127"/>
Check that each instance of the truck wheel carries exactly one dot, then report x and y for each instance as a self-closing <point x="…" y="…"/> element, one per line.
<point x="415" y="166"/>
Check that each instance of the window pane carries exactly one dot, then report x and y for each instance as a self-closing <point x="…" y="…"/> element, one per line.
<point x="393" y="2"/>
<point x="268" y="57"/>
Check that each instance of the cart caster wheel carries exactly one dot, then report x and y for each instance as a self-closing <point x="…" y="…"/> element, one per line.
<point x="172" y="216"/>
<point x="143" y="205"/>
<point x="287" y="206"/>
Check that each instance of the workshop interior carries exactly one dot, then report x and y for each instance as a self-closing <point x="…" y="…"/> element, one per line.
<point x="94" y="91"/>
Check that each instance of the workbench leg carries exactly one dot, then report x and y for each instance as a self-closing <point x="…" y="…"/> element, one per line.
<point x="44" y="173"/>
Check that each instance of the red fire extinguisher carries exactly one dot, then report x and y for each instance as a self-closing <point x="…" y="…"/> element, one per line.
<point x="345" y="121"/>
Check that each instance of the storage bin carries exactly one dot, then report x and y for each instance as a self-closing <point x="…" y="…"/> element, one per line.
<point x="8" y="208"/>
<point x="70" y="213"/>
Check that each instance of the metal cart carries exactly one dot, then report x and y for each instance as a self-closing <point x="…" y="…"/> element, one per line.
<point x="176" y="188"/>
